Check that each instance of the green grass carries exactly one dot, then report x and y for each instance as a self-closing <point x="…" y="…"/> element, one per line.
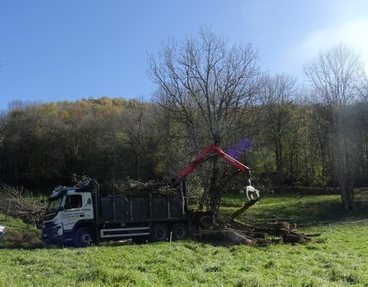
<point x="304" y="210"/>
<point x="19" y="234"/>
<point x="336" y="258"/>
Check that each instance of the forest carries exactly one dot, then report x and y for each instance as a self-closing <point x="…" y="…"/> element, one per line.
<point x="291" y="135"/>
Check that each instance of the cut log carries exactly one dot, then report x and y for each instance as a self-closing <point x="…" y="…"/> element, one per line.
<point x="270" y="232"/>
<point x="295" y="238"/>
<point x="244" y="208"/>
<point x="277" y="229"/>
<point x="259" y="235"/>
<point x="236" y="224"/>
<point x="238" y="238"/>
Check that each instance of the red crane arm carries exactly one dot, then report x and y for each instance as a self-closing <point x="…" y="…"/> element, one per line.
<point x="208" y="152"/>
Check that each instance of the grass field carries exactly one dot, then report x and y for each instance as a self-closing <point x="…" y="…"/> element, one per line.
<point x="337" y="258"/>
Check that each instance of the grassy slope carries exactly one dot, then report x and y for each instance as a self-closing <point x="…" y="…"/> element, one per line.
<point x="337" y="258"/>
<point x="19" y="234"/>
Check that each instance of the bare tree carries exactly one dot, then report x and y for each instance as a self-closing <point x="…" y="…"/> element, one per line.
<point x="138" y="122"/>
<point x="334" y="76"/>
<point x="206" y="84"/>
<point x="363" y="88"/>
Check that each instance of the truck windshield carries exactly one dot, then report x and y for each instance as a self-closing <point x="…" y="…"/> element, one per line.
<point x="54" y="204"/>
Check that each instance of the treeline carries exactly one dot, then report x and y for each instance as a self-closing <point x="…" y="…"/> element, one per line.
<point x="104" y="138"/>
<point x="113" y="139"/>
<point x="206" y="92"/>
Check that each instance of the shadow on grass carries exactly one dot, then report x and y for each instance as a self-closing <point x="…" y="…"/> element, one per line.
<point x="328" y="213"/>
<point x="19" y="239"/>
<point x="305" y="210"/>
<point x="25" y="246"/>
<point x="19" y="235"/>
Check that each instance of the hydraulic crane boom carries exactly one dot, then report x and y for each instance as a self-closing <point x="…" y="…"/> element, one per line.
<point x="208" y="152"/>
<point x="214" y="150"/>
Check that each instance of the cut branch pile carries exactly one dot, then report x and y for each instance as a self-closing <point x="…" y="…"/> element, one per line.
<point x="16" y="203"/>
<point x="236" y="232"/>
<point x="137" y="188"/>
<point x="260" y="233"/>
<point x="270" y="232"/>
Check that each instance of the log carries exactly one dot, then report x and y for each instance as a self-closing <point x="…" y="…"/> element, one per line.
<point x="295" y="238"/>
<point x="259" y="235"/>
<point x="238" y="238"/>
<point x="236" y="224"/>
<point x="284" y="232"/>
<point x="277" y="229"/>
<point x="244" y="208"/>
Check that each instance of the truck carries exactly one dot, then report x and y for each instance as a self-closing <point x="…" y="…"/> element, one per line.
<point x="83" y="214"/>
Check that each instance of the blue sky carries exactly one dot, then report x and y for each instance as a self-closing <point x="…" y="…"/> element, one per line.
<point x="68" y="50"/>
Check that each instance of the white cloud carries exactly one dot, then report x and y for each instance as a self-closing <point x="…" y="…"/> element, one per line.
<point x="352" y="33"/>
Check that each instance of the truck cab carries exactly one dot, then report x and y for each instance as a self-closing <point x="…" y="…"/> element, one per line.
<point x="67" y="208"/>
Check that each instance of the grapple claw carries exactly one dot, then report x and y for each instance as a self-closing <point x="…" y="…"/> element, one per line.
<point x="252" y="193"/>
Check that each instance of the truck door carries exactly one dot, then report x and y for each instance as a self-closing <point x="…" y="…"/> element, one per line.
<point x="73" y="210"/>
<point x="87" y="205"/>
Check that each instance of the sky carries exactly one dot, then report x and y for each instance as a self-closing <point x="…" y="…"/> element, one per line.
<point x="68" y="50"/>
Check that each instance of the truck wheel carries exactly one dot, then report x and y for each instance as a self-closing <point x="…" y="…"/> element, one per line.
<point x="83" y="237"/>
<point x="180" y="231"/>
<point x="160" y="232"/>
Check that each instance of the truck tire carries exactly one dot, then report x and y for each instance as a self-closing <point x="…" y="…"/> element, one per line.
<point x="83" y="237"/>
<point x="180" y="231"/>
<point x="160" y="232"/>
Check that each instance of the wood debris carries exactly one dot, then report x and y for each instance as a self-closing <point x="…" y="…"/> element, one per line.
<point x="234" y="231"/>
<point x="16" y="203"/>
<point x="137" y="188"/>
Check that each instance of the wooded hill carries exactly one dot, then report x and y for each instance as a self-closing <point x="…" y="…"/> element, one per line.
<point x="116" y="138"/>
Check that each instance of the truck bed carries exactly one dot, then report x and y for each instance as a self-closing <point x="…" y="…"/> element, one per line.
<point x="141" y="208"/>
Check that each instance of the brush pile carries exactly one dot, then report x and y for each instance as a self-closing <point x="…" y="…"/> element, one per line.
<point x="18" y="203"/>
<point x="234" y="231"/>
<point x="137" y="188"/>
<point x="260" y="233"/>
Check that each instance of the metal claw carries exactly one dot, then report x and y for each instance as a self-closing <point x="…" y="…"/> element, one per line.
<point x="252" y="193"/>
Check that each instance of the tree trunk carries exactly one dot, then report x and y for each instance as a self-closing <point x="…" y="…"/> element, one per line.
<point x="214" y="190"/>
<point x="279" y="164"/>
<point x="343" y="164"/>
